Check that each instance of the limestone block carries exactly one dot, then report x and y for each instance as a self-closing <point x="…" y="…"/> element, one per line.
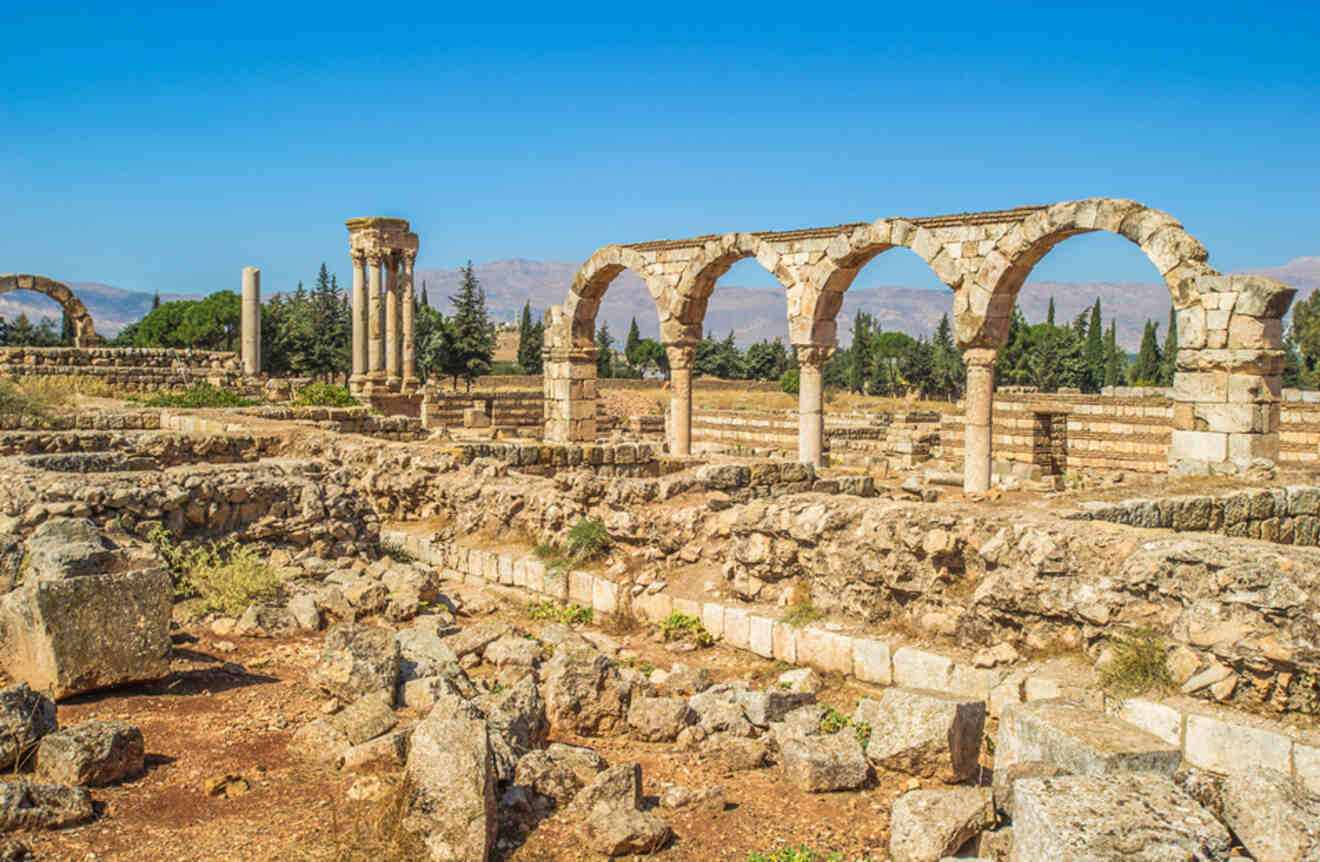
<point x="914" y="668"/>
<point x="825" y="651"/>
<point x="1207" y="446"/>
<point x="1254" y="333"/>
<point x="604" y="595"/>
<point x="929" y="824"/>
<point x="580" y="587"/>
<point x="760" y="636"/>
<point x="925" y="733"/>
<point x="1243" y="448"/>
<point x="712" y="617"/>
<point x="1230" y="417"/>
<point x="1156" y="719"/>
<point x="655" y="607"/>
<point x="871" y="661"/>
<point x="1200" y="386"/>
<point x="1244" y="388"/>
<point x="784" y="643"/>
<point x="736" y="628"/>
<point x="1306" y="762"/>
<point x="1273" y="817"/>
<point x="1083" y="741"/>
<point x="1259" y="296"/>
<point x="1220" y="746"/>
<point x="1073" y="818"/>
<point x="1191" y="327"/>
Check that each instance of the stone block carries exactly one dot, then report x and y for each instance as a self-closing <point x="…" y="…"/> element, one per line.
<point x="736" y="628"/>
<point x="580" y="587"/>
<point x="655" y="607"/>
<point x="1229" y="417"/>
<point x="604" y="595"/>
<point x="1220" y="746"/>
<point x="760" y="636"/>
<point x="688" y="607"/>
<point x="1243" y="448"/>
<point x="1210" y="447"/>
<point x="914" y="668"/>
<point x="828" y="652"/>
<point x="1156" y="719"/>
<point x="712" y="617"/>
<point x="1306" y="764"/>
<point x="1254" y="333"/>
<point x="1079" y="818"/>
<point x="1191" y="327"/>
<point x="1271" y="815"/>
<point x="1082" y="741"/>
<point x="925" y="733"/>
<point x="1197" y="386"/>
<point x="84" y="633"/>
<point x="871" y="661"/>
<point x="928" y="825"/>
<point x="784" y="637"/>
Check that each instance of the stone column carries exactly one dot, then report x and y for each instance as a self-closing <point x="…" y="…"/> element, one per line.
<point x="376" y="320"/>
<point x="979" y="407"/>
<point x="410" y="380"/>
<point x="681" y="359"/>
<point x="811" y="402"/>
<point x="392" y="352"/>
<point x="360" y="324"/>
<point x="249" y="320"/>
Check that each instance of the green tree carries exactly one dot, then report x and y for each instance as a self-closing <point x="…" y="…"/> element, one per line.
<point x="1049" y="315"/>
<point x="1094" y="351"/>
<point x="155" y="301"/>
<point x="604" y="353"/>
<point x="1306" y="328"/>
<point x="766" y="360"/>
<point x="949" y="377"/>
<point x="426" y="303"/>
<point x="1113" y="357"/>
<point x="859" y="352"/>
<point x="531" y="338"/>
<point x="1146" y="370"/>
<point x="1169" y="356"/>
<point x="474" y="337"/>
<point x="630" y="346"/>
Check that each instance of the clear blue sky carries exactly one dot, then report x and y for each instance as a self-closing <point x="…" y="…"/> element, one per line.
<point x="164" y="148"/>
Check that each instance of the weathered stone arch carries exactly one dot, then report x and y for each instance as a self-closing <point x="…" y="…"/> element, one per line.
<point x="592" y="280"/>
<point x="84" y="332"/>
<point x="687" y="308"/>
<point x="987" y="305"/>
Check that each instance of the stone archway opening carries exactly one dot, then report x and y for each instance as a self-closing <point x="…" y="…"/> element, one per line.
<point x="84" y="331"/>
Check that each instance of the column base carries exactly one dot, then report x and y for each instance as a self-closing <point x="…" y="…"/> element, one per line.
<point x="411" y="385"/>
<point x="393" y="383"/>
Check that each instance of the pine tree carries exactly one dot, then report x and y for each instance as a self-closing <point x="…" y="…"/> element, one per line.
<point x="950" y="377"/>
<point x="474" y="338"/>
<point x="1094" y="351"/>
<point x="630" y="346"/>
<point x="1049" y="315"/>
<point x="1169" y="359"/>
<point x="155" y="301"/>
<point x="604" y="355"/>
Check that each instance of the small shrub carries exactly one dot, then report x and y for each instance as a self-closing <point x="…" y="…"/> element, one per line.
<point x="197" y="396"/>
<point x="680" y="626"/>
<point x="24" y="407"/>
<point x="323" y="395"/>
<point x="1139" y="665"/>
<point x="789" y="380"/>
<point x="833" y="721"/>
<point x="587" y="539"/>
<point x="396" y="553"/>
<point x="552" y="611"/>
<point x="545" y="551"/>
<point x="798" y="853"/>
<point x="223" y="577"/>
<point x="802" y="614"/>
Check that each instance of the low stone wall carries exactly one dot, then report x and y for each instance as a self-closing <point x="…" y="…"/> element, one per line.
<point x="146" y="420"/>
<point x="132" y="367"/>
<point x="616" y="460"/>
<point x="743" y="482"/>
<point x="898" y="440"/>
<point x="162" y="448"/>
<point x="1208" y="737"/>
<point x="346" y="420"/>
<point x="1289" y="516"/>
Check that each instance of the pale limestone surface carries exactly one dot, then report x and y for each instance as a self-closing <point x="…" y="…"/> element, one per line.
<point x="1081" y="740"/>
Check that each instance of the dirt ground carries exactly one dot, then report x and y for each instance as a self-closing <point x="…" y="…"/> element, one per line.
<point x="231" y="704"/>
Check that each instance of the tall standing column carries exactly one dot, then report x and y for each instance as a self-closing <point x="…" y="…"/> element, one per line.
<point x="376" y="321"/>
<point x="250" y="322"/>
<point x="811" y="402"/>
<point x="359" y="319"/>
<point x="681" y="359"/>
<point x="392" y="353"/>
<point x="979" y="407"/>
<point x="410" y="380"/>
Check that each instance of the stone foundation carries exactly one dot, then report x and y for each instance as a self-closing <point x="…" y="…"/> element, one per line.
<point x="130" y="367"/>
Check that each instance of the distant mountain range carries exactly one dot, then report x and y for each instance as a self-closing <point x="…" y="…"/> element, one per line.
<point x="751" y="313"/>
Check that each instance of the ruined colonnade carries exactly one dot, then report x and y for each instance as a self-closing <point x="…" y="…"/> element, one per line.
<point x="1230" y="332"/>
<point x="384" y="331"/>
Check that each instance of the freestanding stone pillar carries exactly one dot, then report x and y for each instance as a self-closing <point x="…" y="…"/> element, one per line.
<point x="392" y="351"/>
<point x="376" y="317"/>
<point x="250" y="322"/>
<point x="410" y="380"/>
<point x="681" y="359"/>
<point x="569" y="376"/>
<point x="360" y="323"/>
<point x="811" y="402"/>
<point x="979" y="407"/>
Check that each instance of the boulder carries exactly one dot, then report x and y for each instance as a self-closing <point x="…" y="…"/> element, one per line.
<point x="764" y="707"/>
<point x="305" y="612"/>
<point x="611" y="821"/>
<point x="451" y="778"/>
<point x="819" y="764"/>
<point x="68" y="548"/>
<point x="320" y="741"/>
<point x="423" y="654"/>
<point x="365" y="718"/>
<point x="263" y="621"/>
<point x="389" y="749"/>
<point x="1006" y="776"/>
<point x="357" y="660"/>
<point x="616" y="786"/>
<point x="514" y="650"/>
<point x="1123" y="817"/>
<point x="659" y="719"/>
<point x="38" y="805"/>
<point x="85" y="633"/>
<point x="474" y="639"/>
<point x="25" y="717"/>
<point x="584" y="693"/>
<point x="927" y="825"/>
<point x="91" y="754"/>
<point x="926" y="733"/>
<point x="517" y="723"/>
<point x="558" y="771"/>
<point x="1273" y="816"/>
<point x="1079" y="740"/>
<point x="735" y="753"/>
<point x="684" y="679"/>
<point x="802" y="679"/>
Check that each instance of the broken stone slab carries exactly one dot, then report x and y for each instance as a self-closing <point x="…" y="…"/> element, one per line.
<point x="39" y="805"/>
<point x="1119" y="817"/>
<point x="764" y="707"/>
<point x="820" y="764"/>
<point x="558" y="771"/>
<point x="91" y="754"/>
<point x="1272" y="815"/>
<point x="365" y="718"/>
<point x="513" y="650"/>
<point x="423" y="654"/>
<point x="685" y="679"/>
<point x="25" y="717"/>
<point x="452" y="781"/>
<point x="584" y="692"/>
<point x="659" y="719"/>
<point x="474" y="639"/>
<point x="924" y="733"/>
<point x="264" y="621"/>
<point x="927" y="825"/>
<point x="1079" y="740"/>
<point x="357" y="660"/>
<point x="86" y="633"/>
<point x="612" y="823"/>
<point x="735" y="753"/>
<point x="68" y="548"/>
<point x="517" y="723"/>
<point x="391" y="750"/>
<point x="320" y="741"/>
<point x="1005" y="777"/>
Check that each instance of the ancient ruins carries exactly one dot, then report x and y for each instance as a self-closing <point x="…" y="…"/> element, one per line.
<point x="554" y="620"/>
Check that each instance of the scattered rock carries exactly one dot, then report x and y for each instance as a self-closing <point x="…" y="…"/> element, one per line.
<point x="684" y="679"/>
<point x="357" y="660"/>
<point x="736" y="753"/>
<point x="1081" y="741"/>
<point x="264" y="621"/>
<point x="925" y="733"/>
<point x="36" y="805"/>
<point x="514" y="650"/>
<point x="365" y="718"/>
<point x="25" y="717"/>
<point x="91" y="754"/>
<point x="305" y="612"/>
<point x="1006" y="776"/>
<point x="584" y="693"/>
<point x="226" y="786"/>
<point x="451" y="779"/>
<point x="611" y="822"/>
<point x="659" y="719"/>
<point x="1272" y="815"/>
<point x="67" y="548"/>
<point x="819" y="764"/>
<point x="802" y="679"/>
<point x="927" y="825"/>
<point x="319" y="740"/>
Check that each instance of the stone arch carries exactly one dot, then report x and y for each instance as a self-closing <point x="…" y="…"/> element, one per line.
<point x="593" y="278"/>
<point x="84" y="332"/>
<point x="696" y="283"/>
<point x="1179" y="258"/>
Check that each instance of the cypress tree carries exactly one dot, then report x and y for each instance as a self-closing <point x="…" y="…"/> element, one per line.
<point x="1094" y="352"/>
<point x="630" y="346"/>
<point x="425" y="303"/>
<point x="1146" y="371"/>
<point x="155" y="301"/>
<point x="1169" y="360"/>
<point x="524" y="336"/>
<point x="1049" y="315"/>
<point x="1113" y="359"/>
<point x="604" y="355"/>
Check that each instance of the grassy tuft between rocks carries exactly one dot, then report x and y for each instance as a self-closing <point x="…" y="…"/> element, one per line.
<point x="1139" y="664"/>
<point x="798" y="853"/>
<point x="368" y="831"/>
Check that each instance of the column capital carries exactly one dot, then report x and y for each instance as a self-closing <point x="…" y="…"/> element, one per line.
<point x="683" y="355"/>
<point x="358" y="255"/>
<point x="375" y="256"/>
<point x="981" y="356"/>
<point x="813" y="355"/>
<point x="409" y="256"/>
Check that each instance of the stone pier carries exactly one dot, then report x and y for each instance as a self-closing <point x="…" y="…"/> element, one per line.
<point x="811" y="403"/>
<point x="681" y="359"/>
<point x="250" y="322"/>
<point x="384" y="354"/>
<point x="979" y="404"/>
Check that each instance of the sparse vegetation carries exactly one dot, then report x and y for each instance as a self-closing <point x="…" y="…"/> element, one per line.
<point x="221" y="577"/>
<point x="370" y="831"/>
<point x="197" y="396"/>
<point x="680" y="626"/>
<point x="396" y="553"/>
<point x="802" y="614"/>
<point x="552" y="611"/>
<point x="797" y="853"/>
<point x="323" y="395"/>
<point x="1139" y="664"/>
<point x="587" y="539"/>
<point x="834" y="721"/>
<point x="23" y="407"/>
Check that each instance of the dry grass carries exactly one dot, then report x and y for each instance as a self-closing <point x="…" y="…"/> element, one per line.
<point x="368" y="831"/>
<point x="61" y="389"/>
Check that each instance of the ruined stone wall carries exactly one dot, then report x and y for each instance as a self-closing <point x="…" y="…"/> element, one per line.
<point x="1289" y="516"/>
<point x="132" y="367"/>
<point x="900" y="440"/>
<point x="160" y="448"/>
